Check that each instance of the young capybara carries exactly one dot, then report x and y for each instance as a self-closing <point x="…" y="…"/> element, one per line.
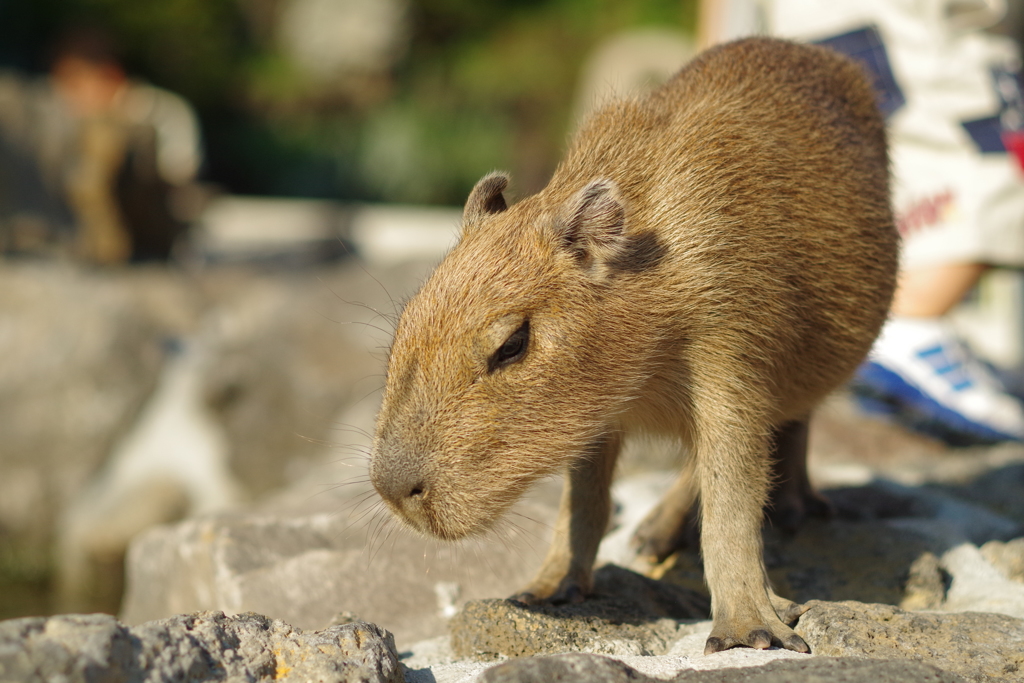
<point x="708" y="261"/>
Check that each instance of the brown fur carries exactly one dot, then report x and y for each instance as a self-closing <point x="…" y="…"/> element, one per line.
<point x="708" y="262"/>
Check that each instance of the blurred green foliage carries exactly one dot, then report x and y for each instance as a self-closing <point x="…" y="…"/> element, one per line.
<point x="481" y="85"/>
<point x="26" y="582"/>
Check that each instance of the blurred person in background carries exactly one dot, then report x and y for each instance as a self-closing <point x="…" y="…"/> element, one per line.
<point x="950" y="91"/>
<point x="92" y="158"/>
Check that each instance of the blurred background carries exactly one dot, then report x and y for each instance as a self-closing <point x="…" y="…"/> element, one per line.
<point x="381" y="100"/>
<point x="210" y="211"/>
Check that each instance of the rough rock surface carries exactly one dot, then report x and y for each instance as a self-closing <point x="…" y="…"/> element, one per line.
<point x="1007" y="558"/>
<point x="628" y="615"/>
<point x="978" y="585"/>
<point x="978" y="646"/>
<point x="208" y="646"/>
<point x="306" y="567"/>
<point x="881" y="531"/>
<point x="586" y="668"/>
<point x="303" y="568"/>
<point x="867" y="550"/>
<point x="433" y="661"/>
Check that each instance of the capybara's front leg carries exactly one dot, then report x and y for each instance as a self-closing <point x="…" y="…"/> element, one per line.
<point x="566" y="575"/>
<point x="733" y="471"/>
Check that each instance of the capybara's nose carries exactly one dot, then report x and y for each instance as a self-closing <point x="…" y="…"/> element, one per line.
<point x="403" y="488"/>
<point x="396" y="484"/>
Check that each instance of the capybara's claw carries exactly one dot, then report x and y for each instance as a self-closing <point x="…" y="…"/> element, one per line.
<point x="568" y="591"/>
<point x="760" y="638"/>
<point x="789" y="612"/>
<point x="796" y="644"/>
<point x="525" y="597"/>
<point x="568" y="595"/>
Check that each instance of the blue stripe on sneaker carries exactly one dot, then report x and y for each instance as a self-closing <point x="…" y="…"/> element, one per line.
<point x="952" y="371"/>
<point x="963" y="384"/>
<point x="881" y="381"/>
<point x="931" y="351"/>
<point x="957" y="377"/>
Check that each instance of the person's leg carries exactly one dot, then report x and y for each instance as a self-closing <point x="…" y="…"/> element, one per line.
<point x="933" y="291"/>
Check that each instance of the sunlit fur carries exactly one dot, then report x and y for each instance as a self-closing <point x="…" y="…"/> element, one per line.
<point x="760" y="172"/>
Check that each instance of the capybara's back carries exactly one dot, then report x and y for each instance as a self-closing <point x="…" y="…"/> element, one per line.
<point x="707" y="262"/>
<point x="771" y="197"/>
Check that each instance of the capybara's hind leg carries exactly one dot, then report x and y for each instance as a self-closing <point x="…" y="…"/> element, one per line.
<point x="673" y="524"/>
<point x="792" y="498"/>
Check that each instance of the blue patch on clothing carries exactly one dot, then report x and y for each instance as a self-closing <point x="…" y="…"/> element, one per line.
<point x="865" y="46"/>
<point x="989" y="133"/>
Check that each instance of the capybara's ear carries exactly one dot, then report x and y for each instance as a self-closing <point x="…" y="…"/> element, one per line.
<point x="592" y="224"/>
<point x="486" y="198"/>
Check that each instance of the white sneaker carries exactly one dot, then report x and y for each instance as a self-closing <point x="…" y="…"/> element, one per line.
<point x="921" y="372"/>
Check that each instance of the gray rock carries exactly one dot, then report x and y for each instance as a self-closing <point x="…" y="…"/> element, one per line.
<point x="926" y="584"/>
<point x="849" y="448"/>
<point x="825" y="670"/>
<point x="980" y="647"/>
<point x="828" y="670"/>
<point x="628" y="614"/>
<point x="172" y="462"/>
<point x="79" y="353"/>
<point x="968" y="579"/>
<point x="978" y="586"/>
<point x="564" y="667"/>
<point x="878" y="538"/>
<point x="206" y="646"/>
<point x="306" y="566"/>
<point x="1008" y="557"/>
<point x="290" y="353"/>
<point x="838" y="559"/>
<point x="585" y="668"/>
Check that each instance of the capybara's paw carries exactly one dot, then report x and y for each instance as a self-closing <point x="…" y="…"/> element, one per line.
<point x="661" y="534"/>
<point x="726" y="634"/>
<point x="759" y="637"/>
<point x="790" y="507"/>
<point x="568" y="591"/>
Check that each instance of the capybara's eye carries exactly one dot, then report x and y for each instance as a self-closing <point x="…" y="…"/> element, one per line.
<point x="513" y="349"/>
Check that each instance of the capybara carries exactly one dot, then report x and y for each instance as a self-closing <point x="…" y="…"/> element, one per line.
<point x="708" y="262"/>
